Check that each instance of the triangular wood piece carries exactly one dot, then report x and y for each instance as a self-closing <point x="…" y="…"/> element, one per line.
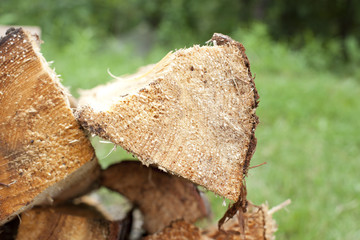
<point x="43" y="149"/>
<point x="192" y="114"/>
<point x="67" y="222"/>
<point x="161" y="197"/>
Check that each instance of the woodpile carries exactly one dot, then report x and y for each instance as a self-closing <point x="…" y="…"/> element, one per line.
<point x="190" y="120"/>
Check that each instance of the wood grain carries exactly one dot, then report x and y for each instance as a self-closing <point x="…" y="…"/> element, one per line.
<point x="191" y="114"/>
<point x="43" y="149"/>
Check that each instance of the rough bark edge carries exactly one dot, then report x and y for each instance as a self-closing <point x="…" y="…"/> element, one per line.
<point x="220" y="39"/>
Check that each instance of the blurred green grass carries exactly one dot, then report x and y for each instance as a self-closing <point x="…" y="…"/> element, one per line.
<point x="309" y="131"/>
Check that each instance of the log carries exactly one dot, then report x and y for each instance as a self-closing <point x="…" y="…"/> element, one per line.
<point x="177" y="230"/>
<point x="192" y="114"/>
<point x="162" y="198"/>
<point x="67" y="222"/>
<point x="43" y="149"/>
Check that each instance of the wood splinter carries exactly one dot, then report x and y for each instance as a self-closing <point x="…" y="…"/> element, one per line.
<point x="257" y="223"/>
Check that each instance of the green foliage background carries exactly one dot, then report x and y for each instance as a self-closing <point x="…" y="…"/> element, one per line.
<point x="333" y="24"/>
<point x="305" y="56"/>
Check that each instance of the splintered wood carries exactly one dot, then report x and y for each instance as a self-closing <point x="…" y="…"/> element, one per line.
<point x="256" y="224"/>
<point x="192" y="114"/>
<point x="43" y="149"/>
<point x="67" y="222"/>
<point x="161" y="197"/>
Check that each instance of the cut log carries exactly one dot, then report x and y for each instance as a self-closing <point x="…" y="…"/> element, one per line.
<point x="161" y="197"/>
<point x="67" y="222"/>
<point x="43" y="149"/>
<point x="178" y="230"/>
<point x="192" y="114"/>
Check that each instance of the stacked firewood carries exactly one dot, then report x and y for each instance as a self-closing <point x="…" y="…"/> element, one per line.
<point x="190" y="120"/>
